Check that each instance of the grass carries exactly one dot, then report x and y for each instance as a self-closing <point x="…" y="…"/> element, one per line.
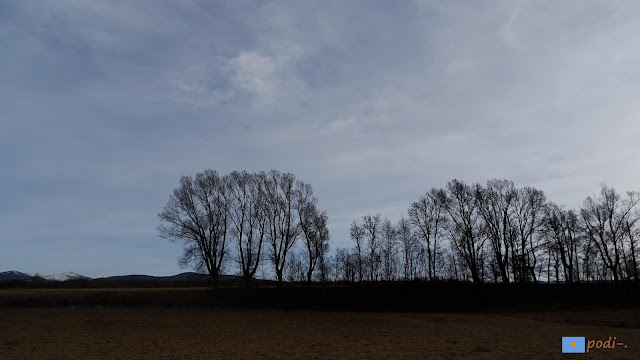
<point x="179" y="333"/>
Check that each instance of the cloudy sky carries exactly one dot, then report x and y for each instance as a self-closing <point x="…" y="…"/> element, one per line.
<point x="104" y="105"/>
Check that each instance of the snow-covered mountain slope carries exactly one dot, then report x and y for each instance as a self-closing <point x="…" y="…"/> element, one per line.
<point x="65" y="276"/>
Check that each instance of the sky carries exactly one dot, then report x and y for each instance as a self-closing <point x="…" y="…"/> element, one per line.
<point x="105" y="105"/>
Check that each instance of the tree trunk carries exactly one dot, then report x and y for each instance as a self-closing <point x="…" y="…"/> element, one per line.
<point x="309" y="273"/>
<point x="215" y="278"/>
<point x="279" y="277"/>
<point x="246" y="277"/>
<point x="503" y="268"/>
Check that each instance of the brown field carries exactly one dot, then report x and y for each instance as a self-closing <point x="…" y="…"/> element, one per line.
<point x="180" y="333"/>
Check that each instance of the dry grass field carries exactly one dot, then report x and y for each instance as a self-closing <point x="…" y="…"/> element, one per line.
<point x="180" y="333"/>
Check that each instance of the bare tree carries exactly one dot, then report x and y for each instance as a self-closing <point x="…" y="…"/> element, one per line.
<point x="560" y="228"/>
<point x="409" y="247"/>
<point x="337" y="270"/>
<point x="389" y="249"/>
<point x="197" y="215"/>
<point x="496" y="205"/>
<point x="371" y="226"/>
<point x="465" y="228"/>
<point x="294" y="267"/>
<point x="347" y="265"/>
<point x="245" y="200"/>
<point x="529" y="210"/>
<point x="357" y="235"/>
<point x="314" y="227"/>
<point x="454" y="267"/>
<point x="428" y="216"/>
<point x="284" y="228"/>
<point x="633" y="232"/>
<point x="605" y="221"/>
<point x="590" y="259"/>
<point x="325" y="266"/>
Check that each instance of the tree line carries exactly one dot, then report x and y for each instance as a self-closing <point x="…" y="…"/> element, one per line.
<point x="497" y="232"/>
<point x="493" y="232"/>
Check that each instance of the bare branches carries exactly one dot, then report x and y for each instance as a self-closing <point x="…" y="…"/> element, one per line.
<point x="314" y="227"/>
<point x="197" y="215"/>
<point x="357" y="235"/>
<point x="252" y="209"/>
<point x="427" y="215"/>
<point x="248" y="219"/>
<point x="606" y="220"/>
<point x="496" y="232"/>
<point x="371" y="226"/>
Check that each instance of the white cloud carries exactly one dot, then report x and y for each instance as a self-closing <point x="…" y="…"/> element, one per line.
<point x="257" y="74"/>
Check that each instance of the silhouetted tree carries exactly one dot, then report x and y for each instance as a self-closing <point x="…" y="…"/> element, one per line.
<point x="389" y="249"/>
<point x="371" y="226"/>
<point x="466" y="227"/>
<point x="283" y="226"/>
<point x="357" y="235"/>
<point x="408" y="243"/>
<point x="428" y="216"/>
<point x="633" y="232"/>
<point x="347" y="265"/>
<point x="561" y="229"/>
<point x="314" y="227"/>
<point x="325" y="266"/>
<point x="496" y="206"/>
<point x="605" y="221"/>
<point x="529" y="209"/>
<point x="246" y="203"/>
<point x="294" y="267"/>
<point x="590" y="259"/>
<point x="197" y="214"/>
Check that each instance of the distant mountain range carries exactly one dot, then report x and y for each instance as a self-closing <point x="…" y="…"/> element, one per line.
<point x="66" y="276"/>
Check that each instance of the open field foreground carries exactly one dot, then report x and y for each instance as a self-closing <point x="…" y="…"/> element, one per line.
<point x="451" y="297"/>
<point x="163" y="333"/>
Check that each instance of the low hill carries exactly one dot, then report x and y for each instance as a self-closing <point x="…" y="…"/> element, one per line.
<point x="15" y="276"/>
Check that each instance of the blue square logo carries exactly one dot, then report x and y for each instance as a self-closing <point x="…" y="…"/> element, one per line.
<point x="573" y="344"/>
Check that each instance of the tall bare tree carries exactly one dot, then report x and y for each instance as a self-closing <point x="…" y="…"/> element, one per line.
<point x="529" y="210"/>
<point x="245" y="200"/>
<point x="633" y="232"/>
<point x="409" y="246"/>
<point x="466" y="226"/>
<point x="605" y="221"/>
<point x="294" y="267"/>
<point x="197" y="215"/>
<point x="347" y="265"/>
<point x="357" y="235"/>
<point x="326" y="264"/>
<point x="314" y="227"/>
<point x="428" y="216"/>
<point x="371" y="225"/>
<point x="284" y="227"/>
<point x="561" y="229"/>
<point x="389" y="249"/>
<point x="496" y="206"/>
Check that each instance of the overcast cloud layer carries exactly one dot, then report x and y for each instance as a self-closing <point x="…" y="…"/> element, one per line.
<point x="104" y="105"/>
